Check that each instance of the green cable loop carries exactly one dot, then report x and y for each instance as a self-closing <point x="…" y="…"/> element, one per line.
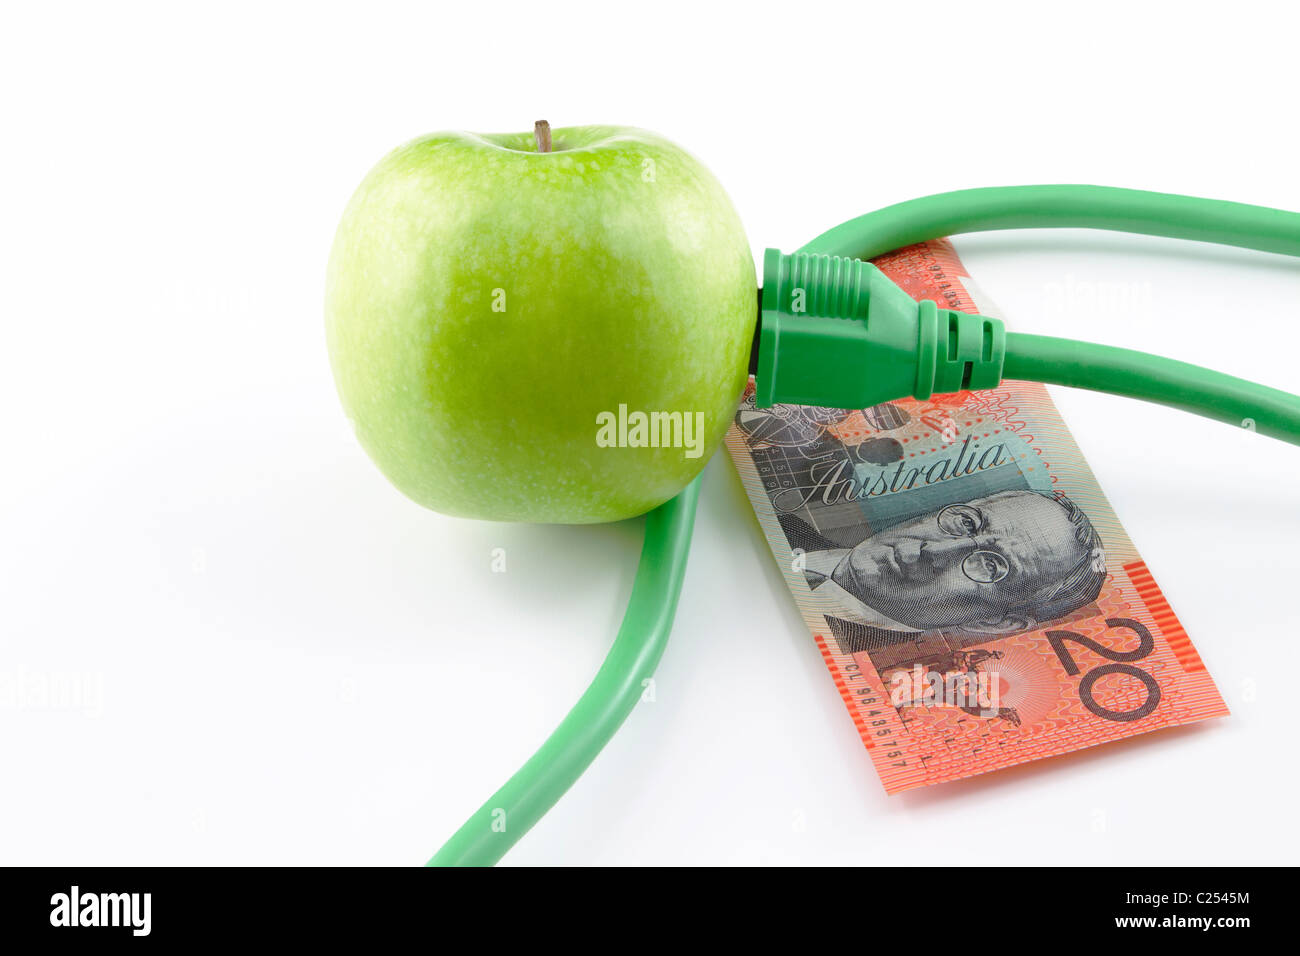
<point x="1064" y="207"/>
<point x="1080" y="364"/>
<point x="613" y="693"/>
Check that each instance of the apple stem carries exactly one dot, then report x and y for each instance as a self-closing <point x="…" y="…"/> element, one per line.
<point x="542" y="131"/>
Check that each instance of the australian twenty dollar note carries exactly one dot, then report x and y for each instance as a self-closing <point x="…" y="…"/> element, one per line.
<point x="976" y="600"/>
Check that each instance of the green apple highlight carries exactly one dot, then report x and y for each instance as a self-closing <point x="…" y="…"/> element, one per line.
<point x="490" y="306"/>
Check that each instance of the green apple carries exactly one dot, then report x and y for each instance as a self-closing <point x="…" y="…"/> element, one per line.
<point x="498" y="316"/>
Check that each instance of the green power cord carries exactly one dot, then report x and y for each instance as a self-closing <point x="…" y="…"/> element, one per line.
<point x="1103" y="368"/>
<point x="1069" y="207"/>
<point x="618" y="685"/>
<point x="895" y="347"/>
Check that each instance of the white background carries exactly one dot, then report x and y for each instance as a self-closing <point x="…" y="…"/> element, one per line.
<point x="282" y="660"/>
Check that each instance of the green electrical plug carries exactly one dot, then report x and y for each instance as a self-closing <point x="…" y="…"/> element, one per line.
<point x="839" y="333"/>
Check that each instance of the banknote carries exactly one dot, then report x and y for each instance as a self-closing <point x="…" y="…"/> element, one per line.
<point x="976" y="600"/>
